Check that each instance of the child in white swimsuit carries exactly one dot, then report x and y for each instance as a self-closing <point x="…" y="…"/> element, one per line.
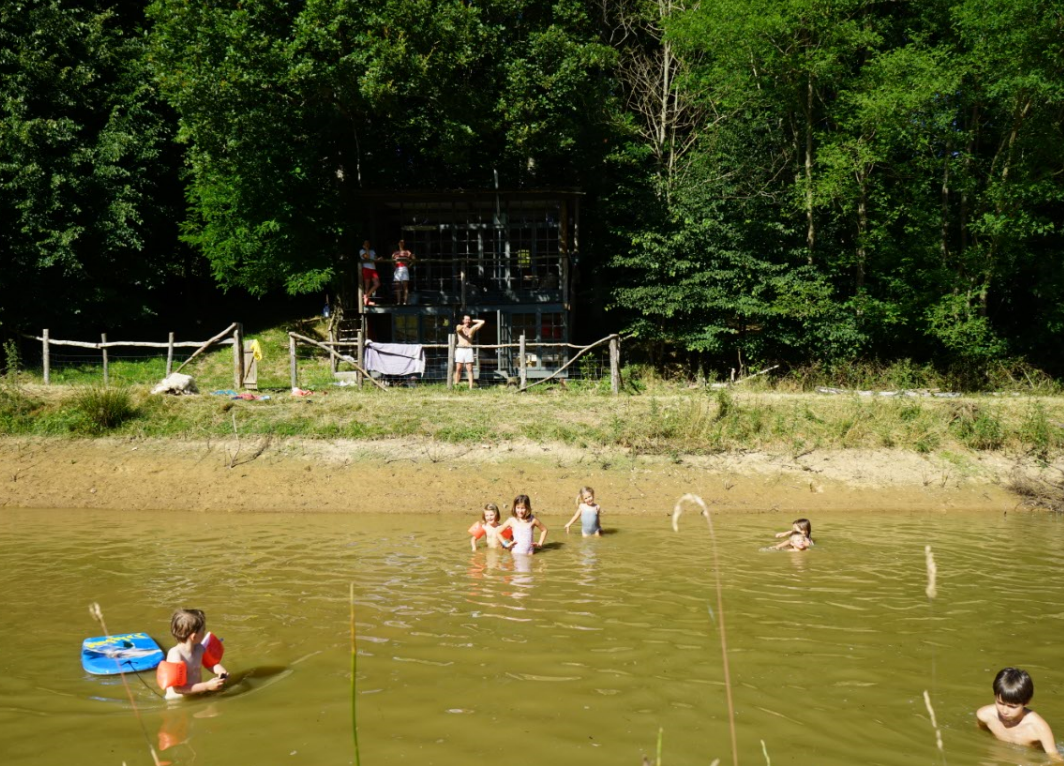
<point x="522" y="524"/>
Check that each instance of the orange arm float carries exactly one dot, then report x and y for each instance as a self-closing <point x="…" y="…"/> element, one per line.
<point x="213" y="650"/>
<point x="170" y="674"/>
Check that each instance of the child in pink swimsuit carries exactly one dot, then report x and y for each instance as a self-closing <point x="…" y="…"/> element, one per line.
<point x="522" y="524"/>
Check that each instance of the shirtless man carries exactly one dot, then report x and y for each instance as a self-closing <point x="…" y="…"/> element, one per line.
<point x="1009" y="718"/>
<point x="463" y="355"/>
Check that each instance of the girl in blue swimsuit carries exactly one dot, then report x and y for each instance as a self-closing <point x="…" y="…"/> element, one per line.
<point x="588" y="511"/>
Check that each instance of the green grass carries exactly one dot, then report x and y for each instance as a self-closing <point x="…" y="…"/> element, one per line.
<point x="677" y="423"/>
<point x="657" y="413"/>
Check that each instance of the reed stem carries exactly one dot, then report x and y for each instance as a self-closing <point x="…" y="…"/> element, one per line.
<point x="97" y="614"/>
<point x="677" y="511"/>
<point x="354" y="682"/>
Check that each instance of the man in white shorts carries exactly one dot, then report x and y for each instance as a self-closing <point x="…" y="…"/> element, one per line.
<point x="463" y="355"/>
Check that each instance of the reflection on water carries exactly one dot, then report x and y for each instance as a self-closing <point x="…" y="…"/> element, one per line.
<point x="577" y="655"/>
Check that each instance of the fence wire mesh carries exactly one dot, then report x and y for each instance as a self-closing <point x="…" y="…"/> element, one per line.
<point x="77" y="367"/>
<point x="491" y="366"/>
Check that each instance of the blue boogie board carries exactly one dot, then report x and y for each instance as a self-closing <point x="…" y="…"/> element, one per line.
<point x="128" y="652"/>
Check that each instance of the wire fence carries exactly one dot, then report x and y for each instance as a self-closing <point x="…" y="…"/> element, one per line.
<point x="77" y="368"/>
<point x="489" y="368"/>
<point x="317" y="364"/>
<point x="82" y="362"/>
<point x="524" y="364"/>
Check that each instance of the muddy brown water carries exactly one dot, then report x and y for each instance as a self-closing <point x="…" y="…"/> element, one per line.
<point x="579" y="655"/>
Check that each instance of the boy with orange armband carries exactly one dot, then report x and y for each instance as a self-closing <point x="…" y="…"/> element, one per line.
<point x="180" y="673"/>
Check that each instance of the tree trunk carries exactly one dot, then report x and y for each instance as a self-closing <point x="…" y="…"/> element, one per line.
<point x="810" y="234"/>
<point x="862" y="228"/>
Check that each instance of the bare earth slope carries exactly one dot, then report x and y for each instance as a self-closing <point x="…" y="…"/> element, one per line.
<point x="427" y="477"/>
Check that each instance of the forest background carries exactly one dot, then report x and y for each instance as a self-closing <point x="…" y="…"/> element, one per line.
<point x="771" y="181"/>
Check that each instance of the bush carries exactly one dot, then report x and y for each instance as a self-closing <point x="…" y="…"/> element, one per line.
<point x="103" y="409"/>
<point x="977" y="428"/>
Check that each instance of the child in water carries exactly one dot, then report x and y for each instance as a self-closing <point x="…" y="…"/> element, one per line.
<point x="488" y="528"/>
<point x="522" y="524"/>
<point x="1010" y="720"/>
<point x="799" y="537"/>
<point x="588" y="511"/>
<point x="189" y="627"/>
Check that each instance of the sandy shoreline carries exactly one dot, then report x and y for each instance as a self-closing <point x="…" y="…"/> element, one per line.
<point x="426" y="477"/>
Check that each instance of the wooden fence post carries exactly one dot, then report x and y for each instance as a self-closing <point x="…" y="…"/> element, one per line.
<point x="615" y="365"/>
<point x="103" y="347"/>
<point x="450" y="361"/>
<point x="238" y="356"/>
<point x="46" y="358"/>
<point x="361" y="337"/>
<point x="292" y="362"/>
<point x="523" y="364"/>
<point x="334" y="338"/>
<point x="170" y="355"/>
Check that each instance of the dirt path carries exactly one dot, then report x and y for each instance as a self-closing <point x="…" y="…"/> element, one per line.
<point x="413" y="476"/>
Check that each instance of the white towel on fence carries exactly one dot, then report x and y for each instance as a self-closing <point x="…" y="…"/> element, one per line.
<point x="394" y="358"/>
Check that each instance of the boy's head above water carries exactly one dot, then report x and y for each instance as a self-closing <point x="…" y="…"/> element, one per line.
<point x="1013" y="686"/>
<point x="186" y="622"/>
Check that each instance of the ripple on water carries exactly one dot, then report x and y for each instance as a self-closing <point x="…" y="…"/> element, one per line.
<point x="604" y="640"/>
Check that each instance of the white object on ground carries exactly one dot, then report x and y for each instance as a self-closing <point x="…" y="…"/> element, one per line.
<point x="176" y="383"/>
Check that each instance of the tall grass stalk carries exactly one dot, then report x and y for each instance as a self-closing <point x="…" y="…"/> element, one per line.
<point x="932" y="573"/>
<point x="97" y="614"/>
<point x="932" y="594"/>
<point x="934" y="725"/>
<point x="354" y="683"/>
<point x="676" y="513"/>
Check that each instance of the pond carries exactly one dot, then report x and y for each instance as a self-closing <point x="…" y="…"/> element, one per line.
<point x="581" y="656"/>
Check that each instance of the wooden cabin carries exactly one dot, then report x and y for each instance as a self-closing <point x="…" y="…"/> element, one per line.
<point x="506" y="257"/>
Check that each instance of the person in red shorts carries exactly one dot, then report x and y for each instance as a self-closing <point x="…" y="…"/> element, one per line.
<point x="371" y="280"/>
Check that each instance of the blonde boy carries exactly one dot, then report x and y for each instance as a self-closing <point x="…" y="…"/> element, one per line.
<point x="1010" y="720"/>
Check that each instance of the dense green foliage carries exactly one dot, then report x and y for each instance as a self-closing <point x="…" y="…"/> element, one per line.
<point x="87" y="168"/>
<point x="868" y="179"/>
<point x="767" y="180"/>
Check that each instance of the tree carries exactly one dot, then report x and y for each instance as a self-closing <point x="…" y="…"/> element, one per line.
<point x="85" y="168"/>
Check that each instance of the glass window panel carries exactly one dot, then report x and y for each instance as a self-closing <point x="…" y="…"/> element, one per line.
<point x="406" y="328"/>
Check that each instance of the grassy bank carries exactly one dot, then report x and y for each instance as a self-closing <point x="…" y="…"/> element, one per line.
<point x="666" y="421"/>
<point x="676" y="414"/>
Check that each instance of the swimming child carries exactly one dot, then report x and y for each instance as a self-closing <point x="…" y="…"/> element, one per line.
<point x="799" y="537"/>
<point x="488" y="528"/>
<point x="522" y="523"/>
<point x="189" y="627"/>
<point x="1010" y="720"/>
<point x="588" y="511"/>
